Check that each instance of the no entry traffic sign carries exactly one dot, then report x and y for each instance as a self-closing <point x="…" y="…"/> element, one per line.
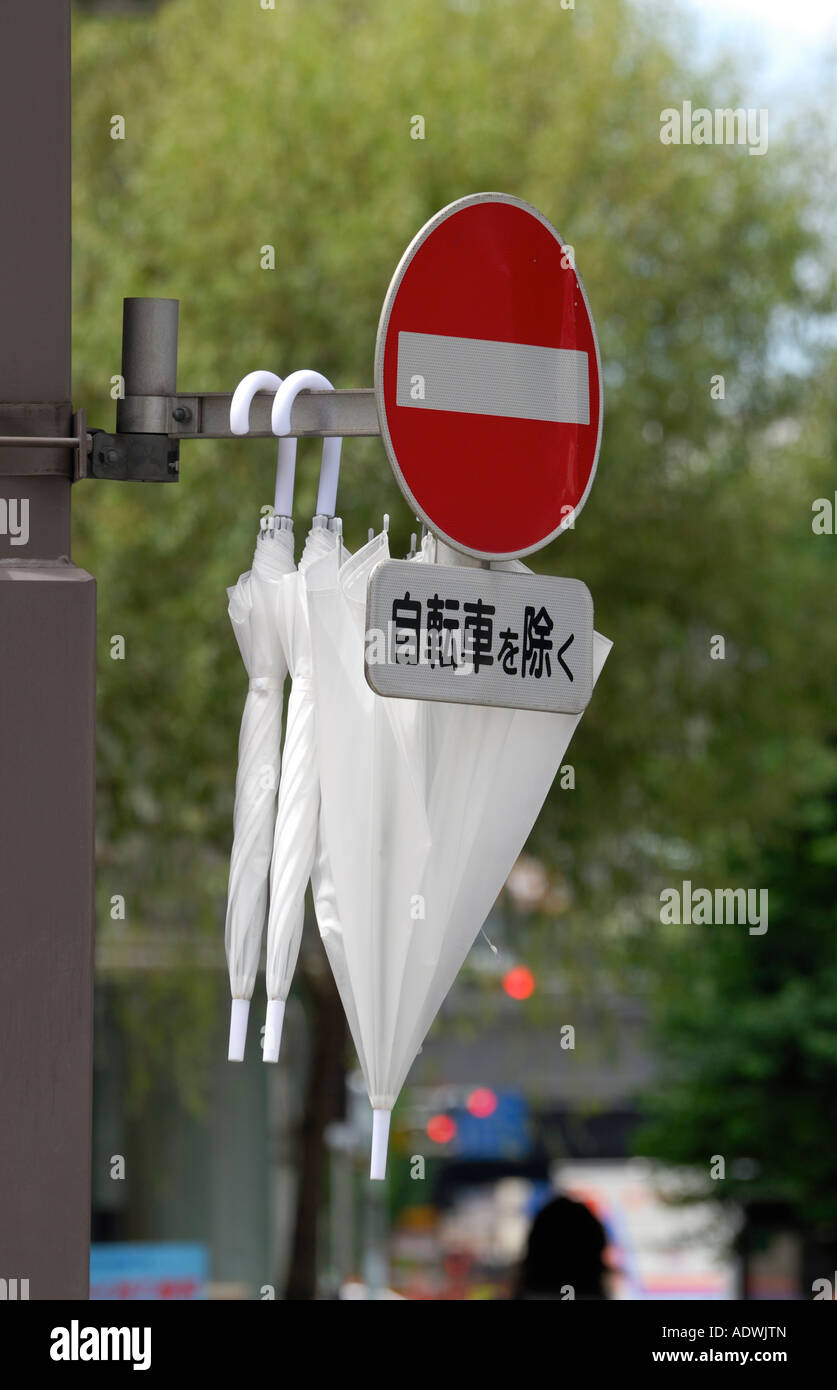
<point x="488" y="379"/>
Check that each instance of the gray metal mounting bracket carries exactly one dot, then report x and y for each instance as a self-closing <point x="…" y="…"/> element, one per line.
<point x="153" y="417"/>
<point x="206" y="415"/>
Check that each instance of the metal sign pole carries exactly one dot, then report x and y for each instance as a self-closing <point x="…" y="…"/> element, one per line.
<point x="47" y="691"/>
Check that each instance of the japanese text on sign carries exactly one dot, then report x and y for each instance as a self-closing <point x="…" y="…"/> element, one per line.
<point x="479" y="636"/>
<point x="464" y="636"/>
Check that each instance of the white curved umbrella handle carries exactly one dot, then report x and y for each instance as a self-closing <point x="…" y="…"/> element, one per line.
<point x="247" y="388"/>
<point x="243" y="395"/>
<point x="280" y="423"/>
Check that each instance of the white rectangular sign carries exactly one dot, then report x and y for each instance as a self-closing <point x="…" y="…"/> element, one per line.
<point x="479" y="636"/>
<point x="476" y="376"/>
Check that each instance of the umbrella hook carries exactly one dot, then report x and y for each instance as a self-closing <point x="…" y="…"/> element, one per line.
<point x="240" y="404"/>
<point x="280" y="423"/>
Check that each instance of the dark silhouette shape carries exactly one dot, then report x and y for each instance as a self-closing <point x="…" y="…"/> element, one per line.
<point x="565" y="1250"/>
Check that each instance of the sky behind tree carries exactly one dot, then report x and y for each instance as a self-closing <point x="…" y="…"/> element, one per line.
<point x="780" y="46"/>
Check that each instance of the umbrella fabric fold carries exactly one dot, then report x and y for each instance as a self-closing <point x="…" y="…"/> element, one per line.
<point x="325" y="582"/>
<point x="297" y="814"/>
<point x="374" y="830"/>
<point x="529" y="752"/>
<point x="251" y="603"/>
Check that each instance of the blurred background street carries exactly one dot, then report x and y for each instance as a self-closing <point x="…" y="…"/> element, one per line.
<point x="678" y="1079"/>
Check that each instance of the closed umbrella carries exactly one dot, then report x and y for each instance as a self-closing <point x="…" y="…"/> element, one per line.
<point x="251" y="614"/>
<point x="425" y="807"/>
<point x="373" y="825"/>
<point x="297" y="813"/>
<point x="325" y="580"/>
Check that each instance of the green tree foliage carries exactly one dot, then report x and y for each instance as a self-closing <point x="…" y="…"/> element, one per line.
<point x="291" y="127"/>
<point x="751" y="1035"/>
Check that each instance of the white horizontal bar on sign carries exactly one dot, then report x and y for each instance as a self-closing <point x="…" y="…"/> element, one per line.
<point x="476" y="376"/>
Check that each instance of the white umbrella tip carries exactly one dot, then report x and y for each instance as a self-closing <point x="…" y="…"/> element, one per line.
<point x="239" y="1012"/>
<point x="380" y="1142"/>
<point x="274" y="1019"/>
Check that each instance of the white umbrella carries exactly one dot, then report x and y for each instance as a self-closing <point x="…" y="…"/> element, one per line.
<point x="250" y="608"/>
<point x="383" y="742"/>
<point x="425" y="807"/>
<point x="374" y="829"/>
<point x="297" y="814"/>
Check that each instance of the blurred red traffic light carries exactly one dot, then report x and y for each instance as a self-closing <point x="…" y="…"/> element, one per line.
<point x="519" y="983"/>
<point x="481" y="1103"/>
<point x="441" y="1129"/>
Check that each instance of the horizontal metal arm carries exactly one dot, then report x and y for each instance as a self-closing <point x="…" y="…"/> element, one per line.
<point x="206" y="415"/>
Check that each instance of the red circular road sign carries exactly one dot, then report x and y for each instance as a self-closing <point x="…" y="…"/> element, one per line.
<point x="488" y="379"/>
